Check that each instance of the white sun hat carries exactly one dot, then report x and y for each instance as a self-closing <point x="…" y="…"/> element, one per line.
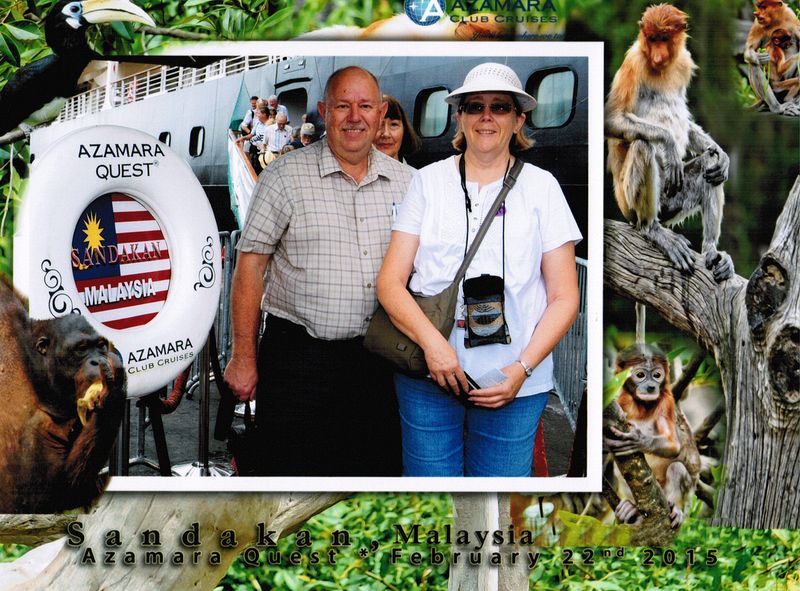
<point x="492" y="77"/>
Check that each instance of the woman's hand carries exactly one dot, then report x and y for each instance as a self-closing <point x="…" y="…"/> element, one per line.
<point x="502" y="393"/>
<point x="444" y="367"/>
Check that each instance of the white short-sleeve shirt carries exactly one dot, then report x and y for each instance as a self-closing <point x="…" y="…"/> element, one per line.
<point x="537" y="220"/>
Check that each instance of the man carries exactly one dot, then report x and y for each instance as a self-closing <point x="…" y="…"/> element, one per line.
<point x="307" y="133"/>
<point x="278" y="134"/>
<point x="257" y="138"/>
<point x="249" y="116"/>
<point x="314" y="239"/>
<point x="272" y="102"/>
<point x="303" y="136"/>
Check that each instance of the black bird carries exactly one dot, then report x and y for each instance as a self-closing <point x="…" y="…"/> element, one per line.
<point x="29" y="92"/>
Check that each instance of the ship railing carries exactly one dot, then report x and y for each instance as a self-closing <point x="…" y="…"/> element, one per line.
<point x="241" y="178"/>
<point x="157" y="81"/>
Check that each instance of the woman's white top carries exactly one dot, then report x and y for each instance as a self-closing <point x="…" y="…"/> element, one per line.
<point x="537" y="220"/>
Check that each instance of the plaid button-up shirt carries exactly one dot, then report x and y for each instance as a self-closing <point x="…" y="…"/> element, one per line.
<point x="326" y="235"/>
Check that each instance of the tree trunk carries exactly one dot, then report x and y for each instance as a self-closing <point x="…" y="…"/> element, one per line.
<point x="171" y="514"/>
<point x="753" y="330"/>
<point x="486" y="512"/>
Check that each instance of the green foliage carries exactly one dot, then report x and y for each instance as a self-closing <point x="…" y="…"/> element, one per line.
<point x="588" y="531"/>
<point x="10" y="552"/>
<point x="612" y="384"/>
<point x="263" y="19"/>
<point x="370" y="519"/>
<point x="700" y="557"/>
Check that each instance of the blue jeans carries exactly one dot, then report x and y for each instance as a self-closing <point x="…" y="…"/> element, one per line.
<point x="443" y="437"/>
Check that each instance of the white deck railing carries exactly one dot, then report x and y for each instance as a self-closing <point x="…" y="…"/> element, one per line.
<point x="156" y="81"/>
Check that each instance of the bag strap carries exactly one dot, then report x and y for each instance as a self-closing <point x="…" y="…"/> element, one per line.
<point x="508" y="184"/>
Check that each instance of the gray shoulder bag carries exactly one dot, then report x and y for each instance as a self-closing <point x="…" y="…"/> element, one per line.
<point x="384" y="339"/>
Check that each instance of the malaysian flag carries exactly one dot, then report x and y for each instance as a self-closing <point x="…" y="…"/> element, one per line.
<point x="120" y="262"/>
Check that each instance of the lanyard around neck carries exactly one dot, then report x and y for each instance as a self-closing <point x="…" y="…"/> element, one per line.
<point x="462" y="169"/>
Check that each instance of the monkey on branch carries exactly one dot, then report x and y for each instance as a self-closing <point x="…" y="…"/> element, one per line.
<point x="650" y="136"/>
<point x="658" y="430"/>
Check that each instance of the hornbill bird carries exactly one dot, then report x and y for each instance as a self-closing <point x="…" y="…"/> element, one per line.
<point x="54" y="77"/>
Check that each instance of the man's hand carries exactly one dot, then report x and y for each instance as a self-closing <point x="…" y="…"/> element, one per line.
<point x="241" y="375"/>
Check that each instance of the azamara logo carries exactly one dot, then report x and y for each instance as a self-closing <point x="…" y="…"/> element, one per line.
<point x="425" y="12"/>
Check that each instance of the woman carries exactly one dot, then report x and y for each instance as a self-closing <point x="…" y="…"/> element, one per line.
<point x="396" y="137"/>
<point x="450" y="429"/>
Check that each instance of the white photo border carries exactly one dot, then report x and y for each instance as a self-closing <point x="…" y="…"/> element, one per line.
<point x="592" y="482"/>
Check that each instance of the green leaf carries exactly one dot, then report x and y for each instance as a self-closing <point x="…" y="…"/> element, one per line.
<point x="121" y="30"/>
<point x="9" y="50"/>
<point x="612" y="385"/>
<point x="279" y="16"/>
<point x="672" y="355"/>
<point x="21" y="34"/>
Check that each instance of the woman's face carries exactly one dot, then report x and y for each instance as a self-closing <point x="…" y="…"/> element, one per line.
<point x="390" y="137"/>
<point x="487" y="132"/>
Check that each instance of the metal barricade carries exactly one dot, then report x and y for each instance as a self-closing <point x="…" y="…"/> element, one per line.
<point x="222" y="323"/>
<point x="569" y="356"/>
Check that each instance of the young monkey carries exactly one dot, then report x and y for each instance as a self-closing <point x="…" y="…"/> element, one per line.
<point x="783" y="52"/>
<point x="658" y="429"/>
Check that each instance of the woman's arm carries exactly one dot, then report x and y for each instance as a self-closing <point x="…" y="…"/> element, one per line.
<point x="408" y="317"/>
<point x="563" y="297"/>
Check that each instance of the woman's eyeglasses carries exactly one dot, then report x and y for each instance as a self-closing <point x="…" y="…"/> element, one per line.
<point x="494" y="108"/>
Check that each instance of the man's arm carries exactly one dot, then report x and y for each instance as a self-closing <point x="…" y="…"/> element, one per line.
<point x="241" y="374"/>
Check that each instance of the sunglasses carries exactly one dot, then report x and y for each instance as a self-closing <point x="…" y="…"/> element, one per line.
<point x="494" y="108"/>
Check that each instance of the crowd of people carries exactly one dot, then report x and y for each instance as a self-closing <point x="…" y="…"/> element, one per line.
<point x="344" y="223"/>
<point x="266" y="133"/>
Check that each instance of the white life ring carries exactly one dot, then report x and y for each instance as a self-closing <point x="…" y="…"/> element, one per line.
<point x="115" y="226"/>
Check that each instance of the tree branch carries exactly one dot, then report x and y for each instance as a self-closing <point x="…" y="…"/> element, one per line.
<point x="177" y="33"/>
<point x="693" y="303"/>
<point x="654" y="529"/>
<point x="687" y="375"/>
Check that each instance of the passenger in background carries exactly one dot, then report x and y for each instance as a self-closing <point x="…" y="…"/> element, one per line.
<point x="276" y="137"/>
<point x="272" y="102"/>
<point x="256" y="139"/>
<point x="295" y="143"/>
<point x="308" y="134"/>
<point x="247" y="122"/>
<point x="396" y="137"/>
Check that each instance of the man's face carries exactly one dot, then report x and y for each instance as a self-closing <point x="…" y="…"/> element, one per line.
<point x="253" y="103"/>
<point x="273" y="103"/>
<point x="305" y="139"/>
<point x="280" y="121"/>
<point x="352" y="112"/>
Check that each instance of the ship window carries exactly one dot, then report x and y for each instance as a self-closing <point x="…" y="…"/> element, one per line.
<point x="165" y="137"/>
<point x="555" y="93"/>
<point x="432" y="112"/>
<point x="197" y="141"/>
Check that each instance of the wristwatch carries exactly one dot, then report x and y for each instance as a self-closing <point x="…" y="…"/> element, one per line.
<point x="528" y="370"/>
